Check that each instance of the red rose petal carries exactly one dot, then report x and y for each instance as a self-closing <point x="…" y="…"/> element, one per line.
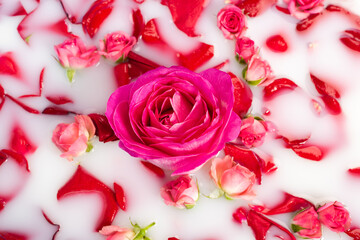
<point x="22" y="105"/>
<point x="12" y="236"/>
<point x="151" y="35"/>
<point x="75" y="12"/>
<point x="310" y="152"/>
<point x="2" y="97"/>
<point x="277" y="43"/>
<point x="51" y="222"/>
<point x="155" y="169"/>
<point x="142" y="62"/>
<point x="324" y="88"/>
<point x="17" y="157"/>
<point x="354" y="171"/>
<point x="20" y="143"/>
<point x="82" y="182"/>
<point x="278" y="85"/>
<point x="120" y="196"/>
<point x="60" y="27"/>
<point x="8" y="66"/>
<point x="260" y="226"/>
<point x="59" y="100"/>
<point x="221" y="65"/>
<point x="307" y="22"/>
<point x="138" y="22"/>
<point x="353" y="232"/>
<point x="246" y="158"/>
<point x="173" y="238"/>
<point x="351" y="39"/>
<point x="185" y="14"/>
<point x="41" y="84"/>
<point x="196" y="58"/>
<point x="354" y="18"/>
<point x="242" y="96"/>
<point x="332" y="105"/>
<point x="288" y="205"/>
<point x="103" y="128"/>
<point x="253" y="8"/>
<point x="240" y="214"/>
<point x="121" y="73"/>
<point x="56" y="111"/>
<point x="96" y="15"/>
<point x="282" y="9"/>
<point x="19" y="11"/>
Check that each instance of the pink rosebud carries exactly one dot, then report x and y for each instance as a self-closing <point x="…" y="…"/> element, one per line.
<point x="235" y="180"/>
<point x="117" y="233"/>
<point x="335" y="216"/>
<point x="73" y="139"/>
<point x="73" y="54"/>
<point x="252" y="132"/>
<point x="245" y="49"/>
<point x="182" y="192"/>
<point x="257" y="70"/>
<point x="306" y="224"/>
<point x="303" y="8"/>
<point x="116" y="46"/>
<point x="231" y="21"/>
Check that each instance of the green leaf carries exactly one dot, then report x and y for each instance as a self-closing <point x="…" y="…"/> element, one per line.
<point x="70" y="74"/>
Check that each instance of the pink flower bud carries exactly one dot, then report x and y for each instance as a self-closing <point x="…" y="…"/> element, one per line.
<point x="116" y="46"/>
<point x="235" y="180"/>
<point x="257" y="70"/>
<point x="306" y="224"/>
<point x="245" y="49"/>
<point x="231" y="21"/>
<point x="73" y="139"/>
<point x="335" y="216"/>
<point x="303" y="8"/>
<point x="252" y="132"/>
<point x="73" y="54"/>
<point x="182" y="192"/>
<point x="117" y="233"/>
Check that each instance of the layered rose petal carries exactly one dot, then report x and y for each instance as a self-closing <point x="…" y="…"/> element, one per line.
<point x="245" y="49"/>
<point x="116" y="46"/>
<point x="335" y="216"/>
<point x="117" y="233"/>
<point x="173" y="117"/>
<point x="252" y="133"/>
<point x="231" y="21"/>
<point x="301" y="9"/>
<point x="257" y="70"/>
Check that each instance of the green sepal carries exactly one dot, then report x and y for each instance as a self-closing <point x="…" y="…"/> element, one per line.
<point x="228" y="197"/>
<point x="254" y="83"/>
<point x="89" y="147"/>
<point x="244" y="71"/>
<point x="70" y="73"/>
<point x="121" y="59"/>
<point x="140" y="233"/>
<point x="27" y="39"/>
<point x="296" y="228"/>
<point x="189" y="206"/>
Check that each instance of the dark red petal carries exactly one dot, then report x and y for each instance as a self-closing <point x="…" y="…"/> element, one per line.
<point x="242" y="96"/>
<point x="310" y="152"/>
<point x="277" y="86"/>
<point x="59" y="100"/>
<point x="289" y="204"/>
<point x="83" y="182"/>
<point x="18" y="157"/>
<point x="154" y="169"/>
<point x="2" y="204"/>
<point x="103" y="128"/>
<point x="120" y="196"/>
<point x="240" y="214"/>
<point x="196" y="58"/>
<point x="19" y="142"/>
<point x="2" y="96"/>
<point x="3" y="157"/>
<point x="51" y="222"/>
<point x="307" y="22"/>
<point x="56" y="111"/>
<point x="354" y="171"/>
<point x="96" y="15"/>
<point x="41" y="84"/>
<point x="282" y="9"/>
<point x="260" y="226"/>
<point x="246" y="158"/>
<point x="173" y="238"/>
<point x="146" y="64"/>
<point x="277" y="43"/>
<point x="138" y="22"/>
<point x="332" y="105"/>
<point x="185" y="14"/>
<point x="354" y="232"/>
<point x="151" y="34"/>
<point x="12" y="236"/>
<point x="324" y="88"/>
<point x="19" y="11"/>
<point x="25" y="107"/>
<point x="121" y="73"/>
<point x="8" y="66"/>
<point x="253" y="8"/>
<point x="351" y="39"/>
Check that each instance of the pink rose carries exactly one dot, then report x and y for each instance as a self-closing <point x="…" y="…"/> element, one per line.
<point x="335" y="216"/>
<point x="252" y="133"/>
<point x="73" y="139"/>
<point x="116" y="46"/>
<point x="182" y="192"/>
<point x="235" y="180"/>
<point x="245" y="49"/>
<point x="73" y="54"/>
<point x="117" y="233"/>
<point x="257" y="70"/>
<point x="231" y="21"/>
<point x="306" y="224"/>
<point x="175" y="118"/>
<point x="303" y="8"/>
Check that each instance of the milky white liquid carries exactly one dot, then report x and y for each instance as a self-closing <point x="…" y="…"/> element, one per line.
<point x="210" y="218"/>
